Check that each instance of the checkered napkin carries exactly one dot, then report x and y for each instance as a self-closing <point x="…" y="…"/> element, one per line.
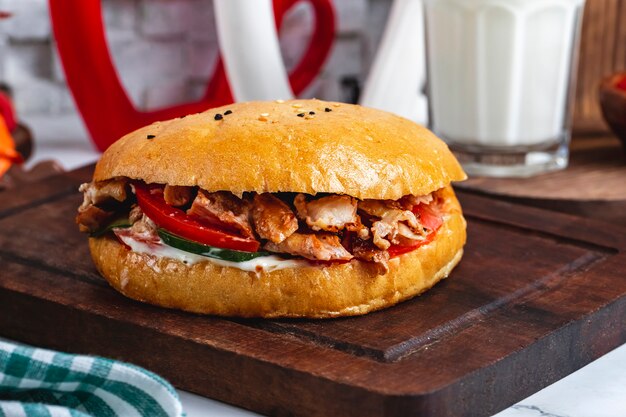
<point x="38" y="382"/>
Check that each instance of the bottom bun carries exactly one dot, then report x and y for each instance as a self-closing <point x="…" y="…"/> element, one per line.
<point x="346" y="289"/>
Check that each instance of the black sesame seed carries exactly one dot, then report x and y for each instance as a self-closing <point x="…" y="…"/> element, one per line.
<point x="227" y="112"/>
<point x="150" y="136"/>
<point x="218" y="117"/>
<point x="327" y="109"/>
<point x="300" y="114"/>
<point x="311" y="113"/>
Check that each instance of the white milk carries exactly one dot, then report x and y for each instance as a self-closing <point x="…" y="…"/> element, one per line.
<point x="499" y="70"/>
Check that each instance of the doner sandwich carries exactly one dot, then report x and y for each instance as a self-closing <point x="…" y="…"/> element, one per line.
<point x="300" y="208"/>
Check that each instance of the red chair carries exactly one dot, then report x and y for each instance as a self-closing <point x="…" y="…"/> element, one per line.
<point x="105" y="107"/>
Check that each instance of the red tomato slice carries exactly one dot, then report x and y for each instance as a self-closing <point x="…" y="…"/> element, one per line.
<point x="174" y="220"/>
<point x="428" y="217"/>
<point x="397" y="250"/>
<point x="429" y="220"/>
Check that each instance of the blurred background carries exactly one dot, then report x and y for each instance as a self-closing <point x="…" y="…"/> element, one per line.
<point x="165" y="50"/>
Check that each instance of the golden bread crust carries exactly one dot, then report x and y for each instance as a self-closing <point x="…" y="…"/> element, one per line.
<point x="348" y="289"/>
<point x="267" y="147"/>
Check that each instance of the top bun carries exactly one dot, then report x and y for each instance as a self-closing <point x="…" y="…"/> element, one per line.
<point x="281" y="146"/>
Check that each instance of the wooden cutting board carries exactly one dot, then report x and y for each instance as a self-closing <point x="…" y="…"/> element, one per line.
<point x="538" y="295"/>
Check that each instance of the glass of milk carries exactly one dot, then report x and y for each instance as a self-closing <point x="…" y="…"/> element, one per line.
<point x="501" y="77"/>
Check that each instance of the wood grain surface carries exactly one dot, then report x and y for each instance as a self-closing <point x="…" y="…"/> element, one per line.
<point x="538" y="295"/>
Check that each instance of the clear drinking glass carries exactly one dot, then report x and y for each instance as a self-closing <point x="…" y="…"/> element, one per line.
<point x="501" y="77"/>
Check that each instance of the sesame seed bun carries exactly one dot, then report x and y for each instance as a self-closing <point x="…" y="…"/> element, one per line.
<point x="274" y="147"/>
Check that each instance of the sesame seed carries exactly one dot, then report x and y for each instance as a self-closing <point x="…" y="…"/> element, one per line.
<point x="300" y="114"/>
<point x="264" y="114"/>
<point x="296" y="105"/>
<point x="311" y="113"/>
<point x="327" y="109"/>
<point x="150" y="137"/>
<point x="280" y="101"/>
<point x="218" y="117"/>
<point x="336" y="104"/>
<point x="227" y="112"/>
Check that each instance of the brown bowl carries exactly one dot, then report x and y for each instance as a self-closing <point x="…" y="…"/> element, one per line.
<point x="23" y="138"/>
<point x="613" y="104"/>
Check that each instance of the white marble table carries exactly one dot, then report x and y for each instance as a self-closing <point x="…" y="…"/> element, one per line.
<point x="597" y="390"/>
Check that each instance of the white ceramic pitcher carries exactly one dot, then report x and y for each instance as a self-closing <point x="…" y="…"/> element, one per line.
<point x="398" y="73"/>
<point x="249" y="45"/>
<point x="248" y="42"/>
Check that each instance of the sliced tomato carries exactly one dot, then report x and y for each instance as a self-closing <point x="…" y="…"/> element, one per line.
<point x="174" y="220"/>
<point x="430" y="220"/>
<point x="397" y="250"/>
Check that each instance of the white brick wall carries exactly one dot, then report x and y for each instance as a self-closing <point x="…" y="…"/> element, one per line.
<point x="165" y="50"/>
<point x="30" y="21"/>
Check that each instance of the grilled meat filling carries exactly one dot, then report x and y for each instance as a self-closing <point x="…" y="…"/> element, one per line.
<point x="99" y="200"/>
<point x="272" y="218"/>
<point x="177" y="196"/>
<point x="223" y="208"/>
<point x="328" y="228"/>
<point x="313" y="246"/>
<point x="331" y="213"/>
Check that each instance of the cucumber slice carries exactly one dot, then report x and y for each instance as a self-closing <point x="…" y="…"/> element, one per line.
<point x="120" y="221"/>
<point x="206" y="250"/>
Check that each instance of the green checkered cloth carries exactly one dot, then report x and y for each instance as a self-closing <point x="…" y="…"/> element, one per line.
<point x="38" y="382"/>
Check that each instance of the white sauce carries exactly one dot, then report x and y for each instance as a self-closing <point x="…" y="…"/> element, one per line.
<point x="262" y="263"/>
